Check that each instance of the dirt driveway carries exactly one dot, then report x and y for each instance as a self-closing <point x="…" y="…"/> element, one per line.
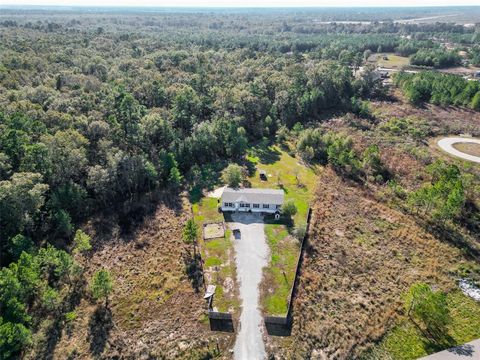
<point x="251" y="255"/>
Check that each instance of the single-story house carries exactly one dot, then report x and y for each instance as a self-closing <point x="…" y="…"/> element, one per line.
<point x="252" y="200"/>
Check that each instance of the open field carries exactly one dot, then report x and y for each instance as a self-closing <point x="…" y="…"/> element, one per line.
<point x="362" y="259"/>
<point x="298" y="182"/>
<point x="393" y="61"/>
<point x="280" y="274"/>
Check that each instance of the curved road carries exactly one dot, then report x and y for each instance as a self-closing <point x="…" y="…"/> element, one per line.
<point x="251" y="255"/>
<point x="446" y="145"/>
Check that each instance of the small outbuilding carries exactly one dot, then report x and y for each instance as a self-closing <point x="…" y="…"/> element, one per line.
<point x="252" y="200"/>
<point x="263" y="175"/>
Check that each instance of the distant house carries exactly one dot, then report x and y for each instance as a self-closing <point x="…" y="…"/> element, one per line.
<point x="252" y="200"/>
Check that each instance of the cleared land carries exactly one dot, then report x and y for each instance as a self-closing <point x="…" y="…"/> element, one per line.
<point x="361" y="260"/>
<point x="405" y="341"/>
<point x="154" y="310"/>
<point x="392" y="61"/>
<point x="298" y="182"/>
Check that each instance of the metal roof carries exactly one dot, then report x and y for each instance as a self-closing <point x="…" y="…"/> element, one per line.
<point x="253" y="196"/>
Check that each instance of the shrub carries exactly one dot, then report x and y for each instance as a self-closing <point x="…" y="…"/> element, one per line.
<point x="101" y="285"/>
<point x="81" y="242"/>
<point x="428" y="310"/>
<point x="300" y="231"/>
<point x="232" y="175"/>
<point x="289" y="209"/>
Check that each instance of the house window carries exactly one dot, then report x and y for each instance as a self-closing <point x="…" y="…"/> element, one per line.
<point x="256" y="206"/>
<point x="242" y="205"/>
<point x="278" y="207"/>
<point x="247" y="205"/>
<point x="228" y="204"/>
<point x="266" y="206"/>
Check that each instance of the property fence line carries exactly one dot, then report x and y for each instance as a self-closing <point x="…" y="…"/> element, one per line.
<point x="220" y="321"/>
<point x="280" y="325"/>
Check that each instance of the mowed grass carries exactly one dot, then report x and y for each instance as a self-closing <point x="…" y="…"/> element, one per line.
<point x="393" y="62"/>
<point x="405" y="342"/>
<point x="298" y="181"/>
<point x="206" y="210"/>
<point x="219" y="265"/>
<point x="284" y="172"/>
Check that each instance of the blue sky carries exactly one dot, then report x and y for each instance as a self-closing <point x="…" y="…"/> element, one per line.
<point x="243" y="3"/>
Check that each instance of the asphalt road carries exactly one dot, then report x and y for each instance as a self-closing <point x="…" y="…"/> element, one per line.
<point x="251" y="255"/>
<point x="446" y="145"/>
<point x="469" y="351"/>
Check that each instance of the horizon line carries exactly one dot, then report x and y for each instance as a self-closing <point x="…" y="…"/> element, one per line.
<point x="232" y="6"/>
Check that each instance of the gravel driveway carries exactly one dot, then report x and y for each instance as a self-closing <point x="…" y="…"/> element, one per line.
<point x="251" y="255"/>
<point x="446" y="145"/>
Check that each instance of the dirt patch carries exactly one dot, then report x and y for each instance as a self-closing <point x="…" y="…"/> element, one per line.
<point x="213" y="230"/>
<point x="468" y="148"/>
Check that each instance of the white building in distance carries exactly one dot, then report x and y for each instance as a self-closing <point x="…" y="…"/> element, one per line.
<point x="252" y="200"/>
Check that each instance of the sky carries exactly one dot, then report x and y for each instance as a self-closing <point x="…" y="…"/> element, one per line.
<point x="244" y="3"/>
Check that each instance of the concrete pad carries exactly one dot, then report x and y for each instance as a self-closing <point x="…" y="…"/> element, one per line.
<point x="217" y="193"/>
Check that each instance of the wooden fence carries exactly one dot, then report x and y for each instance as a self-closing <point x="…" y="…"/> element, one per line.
<point x="281" y="325"/>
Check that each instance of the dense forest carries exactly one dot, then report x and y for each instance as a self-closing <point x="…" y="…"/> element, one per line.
<point x="98" y="109"/>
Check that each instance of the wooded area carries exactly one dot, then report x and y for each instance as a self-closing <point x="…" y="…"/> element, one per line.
<point x="99" y="109"/>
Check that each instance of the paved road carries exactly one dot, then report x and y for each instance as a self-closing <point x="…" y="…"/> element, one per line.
<point x="469" y="351"/>
<point x="251" y="255"/>
<point x="446" y="145"/>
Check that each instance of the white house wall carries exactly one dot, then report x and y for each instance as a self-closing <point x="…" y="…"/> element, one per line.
<point x="272" y="209"/>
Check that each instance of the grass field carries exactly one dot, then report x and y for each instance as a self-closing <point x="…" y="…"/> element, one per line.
<point x="284" y="172"/>
<point x="405" y="342"/>
<point x="218" y="256"/>
<point x="393" y="61"/>
<point x="298" y="182"/>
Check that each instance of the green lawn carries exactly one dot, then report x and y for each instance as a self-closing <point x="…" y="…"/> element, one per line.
<point x="219" y="264"/>
<point x="284" y="172"/>
<point x="298" y="182"/>
<point x="206" y="210"/>
<point x="393" y="62"/>
<point x="405" y="342"/>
